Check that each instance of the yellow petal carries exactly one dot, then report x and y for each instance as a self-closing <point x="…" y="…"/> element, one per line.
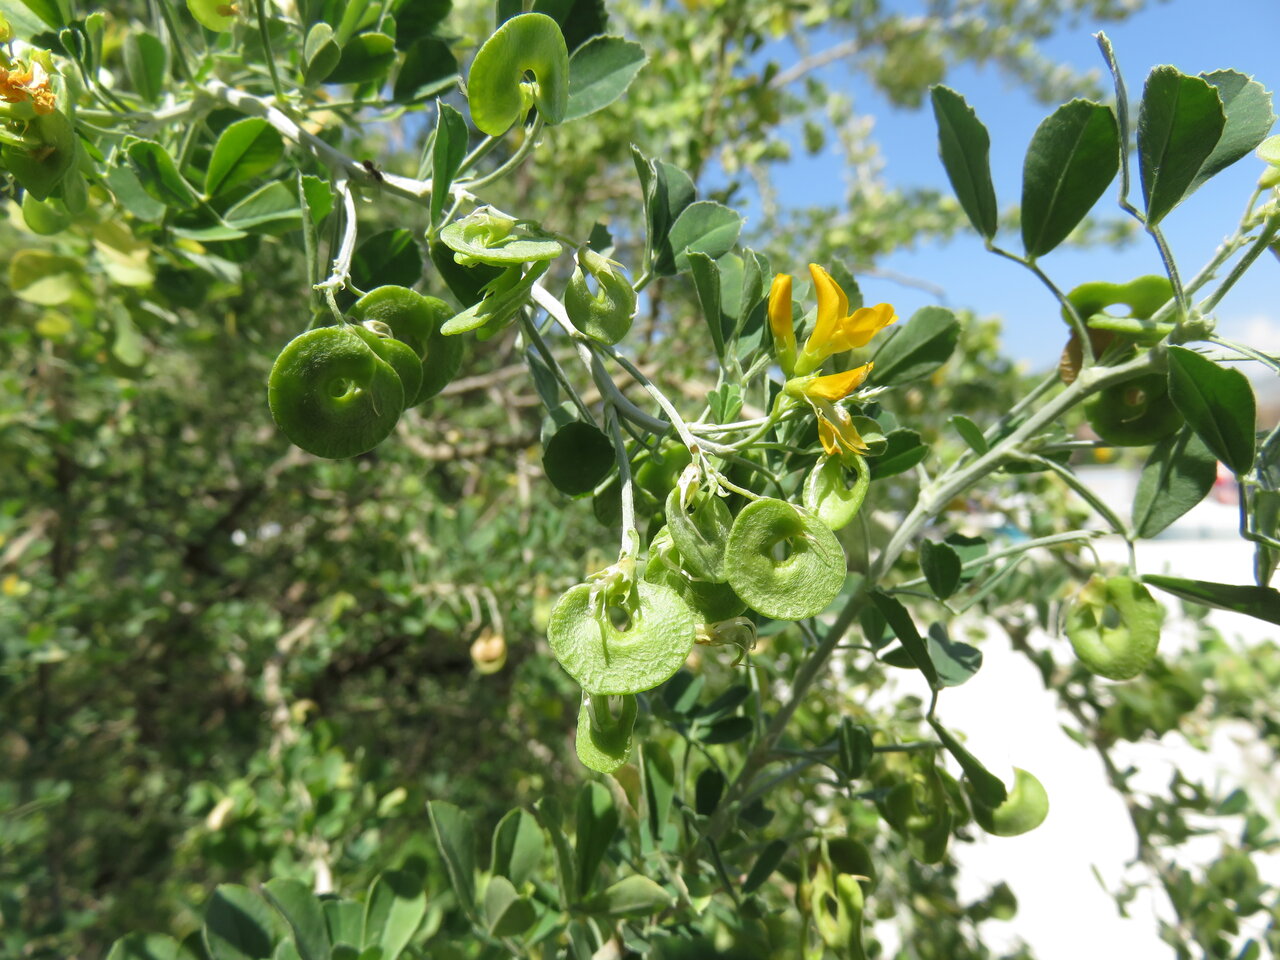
<point x="836" y="429"/>
<point x="858" y="329"/>
<point x="837" y="386"/>
<point x="780" y="308"/>
<point x="832" y="307"/>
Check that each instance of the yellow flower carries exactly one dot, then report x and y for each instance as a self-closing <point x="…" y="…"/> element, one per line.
<point x="834" y="331"/>
<point x="784" y="334"/>
<point x="28" y="82"/>
<point x="835" y="426"/>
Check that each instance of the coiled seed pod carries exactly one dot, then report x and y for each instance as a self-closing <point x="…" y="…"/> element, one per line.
<point x="333" y="395"/>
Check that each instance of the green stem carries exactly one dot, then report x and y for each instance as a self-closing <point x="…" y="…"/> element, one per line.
<point x="1077" y="321"/>
<point x="261" y="9"/>
<point x="471" y="159"/>
<point x="1075" y="483"/>
<point x="531" y="331"/>
<point x="1073" y="536"/>
<point x="180" y="54"/>
<point x="1171" y="268"/>
<point x="630" y="535"/>
<point x="555" y="308"/>
<point x="1260" y="244"/>
<point x="514" y="161"/>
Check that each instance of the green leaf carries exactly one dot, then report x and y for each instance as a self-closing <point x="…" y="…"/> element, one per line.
<point x="705" y="227"/>
<point x="132" y="196"/>
<point x="597" y="826"/>
<point x="706" y="281"/>
<point x="753" y="292"/>
<point x="456" y="839"/>
<point x="903" y="450"/>
<point x="145" y="60"/>
<point x="418" y="18"/>
<point x="728" y="730"/>
<point x="1249" y="118"/>
<point x="159" y="175"/>
<point x="970" y="432"/>
<point x="391" y="257"/>
<point x="1073" y="156"/>
<point x="955" y="662"/>
<point x="765" y="864"/>
<point x="548" y="813"/>
<point x="245" y="150"/>
<point x="344" y="919"/>
<point x="320" y="53"/>
<point x="429" y="67"/>
<point x="925" y="343"/>
<point x="659" y="787"/>
<point x="272" y="208"/>
<point x="506" y="912"/>
<point x="518" y="844"/>
<point x="148" y="946"/>
<point x="1179" y="124"/>
<point x="44" y="278"/>
<point x="1269" y="150"/>
<point x="365" y="58"/>
<point x="633" y="896"/>
<point x="941" y="567"/>
<point x="900" y="622"/>
<point x="447" y="153"/>
<point x="577" y="458"/>
<point x="355" y="15"/>
<point x="667" y="190"/>
<point x="1218" y="404"/>
<point x="42" y="167"/>
<point x="298" y="905"/>
<point x="319" y="197"/>
<point x="56" y="13"/>
<point x="989" y="788"/>
<point x="707" y="791"/>
<point x="599" y="73"/>
<point x="964" y="146"/>
<point x="1178" y="474"/>
<point x="238" y="925"/>
<point x="1262" y="603"/>
<point x="397" y="903"/>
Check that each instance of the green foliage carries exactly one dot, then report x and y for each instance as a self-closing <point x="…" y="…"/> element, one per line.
<point x="244" y="679"/>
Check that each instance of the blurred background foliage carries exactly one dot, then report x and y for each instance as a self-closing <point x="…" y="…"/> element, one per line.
<point x="223" y="659"/>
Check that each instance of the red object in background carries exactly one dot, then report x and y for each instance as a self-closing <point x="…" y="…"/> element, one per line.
<point x="1225" y="489"/>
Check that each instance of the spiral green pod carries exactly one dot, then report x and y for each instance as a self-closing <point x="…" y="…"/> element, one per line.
<point x="217" y="15"/>
<point x="829" y="495"/>
<point x="710" y="602"/>
<point x="604" y="741"/>
<point x="1134" y="413"/>
<point x="606" y="314"/>
<point x="700" y="532"/>
<point x="416" y="320"/>
<point x="497" y="91"/>
<point x="1114" y="627"/>
<point x="399" y="354"/>
<point x="333" y="395"/>
<point x="1024" y="809"/>
<point x="800" y="583"/>
<point x="607" y="659"/>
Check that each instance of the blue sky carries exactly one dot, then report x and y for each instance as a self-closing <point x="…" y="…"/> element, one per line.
<point x="1193" y="35"/>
